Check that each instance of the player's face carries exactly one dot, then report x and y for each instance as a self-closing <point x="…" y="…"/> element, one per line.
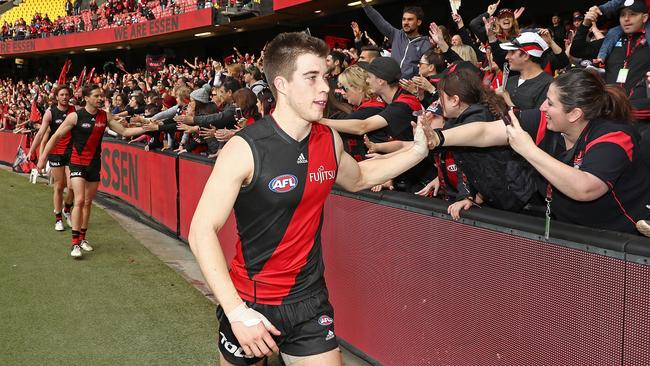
<point x="62" y="97"/>
<point x="556" y="118"/>
<point x="307" y="90"/>
<point x="94" y="99"/>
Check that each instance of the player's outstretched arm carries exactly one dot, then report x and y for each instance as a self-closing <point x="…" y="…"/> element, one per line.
<point x="355" y="176"/>
<point x="45" y="124"/>
<point x="67" y="125"/>
<point x="233" y="168"/>
<point x="115" y="125"/>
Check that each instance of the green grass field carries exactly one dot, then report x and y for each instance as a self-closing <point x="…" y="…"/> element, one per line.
<point x="119" y="305"/>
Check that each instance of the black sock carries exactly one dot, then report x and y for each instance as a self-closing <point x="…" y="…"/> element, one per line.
<point x="82" y="235"/>
<point x="58" y="216"/>
<point x="67" y="207"/>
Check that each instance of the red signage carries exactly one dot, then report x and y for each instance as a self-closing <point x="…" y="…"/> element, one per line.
<point x="141" y="178"/>
<point x="175" y="23"/>
<point x="281" y="4"/>
<point x="9" y="146"/>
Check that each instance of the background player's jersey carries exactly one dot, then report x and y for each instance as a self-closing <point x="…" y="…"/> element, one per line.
<point x="87" y="137"/>
<point x="63" y="145"/>
<point x="280" y="214"/>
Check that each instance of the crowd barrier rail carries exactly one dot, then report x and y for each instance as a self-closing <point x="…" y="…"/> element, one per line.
<point x="412" y="287"/>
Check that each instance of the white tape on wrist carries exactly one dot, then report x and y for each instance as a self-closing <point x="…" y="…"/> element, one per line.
<point x="248" y="316"/>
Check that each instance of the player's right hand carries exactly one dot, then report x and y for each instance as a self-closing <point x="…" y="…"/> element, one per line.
<point x="253" y="331"/>
<point x="41" y="164"/>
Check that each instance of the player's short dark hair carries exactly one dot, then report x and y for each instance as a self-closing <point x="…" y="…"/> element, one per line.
<point x="88" y="89"/>
<point x="62" y="87"/>
<point x="282" y="52"/>
<point x="416" y="10"/>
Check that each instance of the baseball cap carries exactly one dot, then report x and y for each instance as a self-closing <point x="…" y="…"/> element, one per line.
<point x="169" y="101"/>
<point x="435" y="108"/>
<point x="529" y="42"/>
<point x="385" y="68"/>
<point x="637" y="6"/>
<point x="505" y="13"/>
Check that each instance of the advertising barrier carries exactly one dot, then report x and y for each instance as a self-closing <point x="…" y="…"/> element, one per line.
<point x="146" y="180"/>
<point x="412" y="287"/>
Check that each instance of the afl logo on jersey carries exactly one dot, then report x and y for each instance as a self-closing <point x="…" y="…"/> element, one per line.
<point x="86" y="125"/>
<point x="283" y="183"/>
<point x="325" y="320"/>
<point x="452" y="168"/>
<point x="58" y="121"/>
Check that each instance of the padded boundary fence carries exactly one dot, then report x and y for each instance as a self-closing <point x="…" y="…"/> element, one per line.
<point x="412" y="287"/>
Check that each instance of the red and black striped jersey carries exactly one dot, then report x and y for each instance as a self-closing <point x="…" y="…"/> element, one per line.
<point x="87" y="137"/>
<point x="280" y="214"/>
<point x="58" y="116"/>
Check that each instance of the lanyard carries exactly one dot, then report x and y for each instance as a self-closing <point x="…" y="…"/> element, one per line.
<point x="549" y="187"/>
<point x="641" y="40"/>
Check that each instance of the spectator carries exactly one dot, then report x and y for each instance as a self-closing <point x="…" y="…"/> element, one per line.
<point x="77" y="7"/>
<point x="408" y="45"/>
<point x="335" y="65"/>
<point x="528" y="89"/>
<point x="558" y="29"/>
<point x="369" y="53"/>
<point x="365" y="104"/>
<point x="253" y="79"/>
<point x="383" y="80"/>
<point x="581" y="143"/>
<point x="629" y="59"/>
<point x="265" y="102"/>
<point x="68" y="8"/>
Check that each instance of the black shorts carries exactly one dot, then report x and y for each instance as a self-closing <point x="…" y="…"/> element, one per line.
<point x="307" y="328"/>
<point x="90" y="173"/>
<point x="58" y="160"/>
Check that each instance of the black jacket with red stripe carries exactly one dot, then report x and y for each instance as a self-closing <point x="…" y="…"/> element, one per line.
<point x="608" y="151"/>
<point x="279" y="214"/>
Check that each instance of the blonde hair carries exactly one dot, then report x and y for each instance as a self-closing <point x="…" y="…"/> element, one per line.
<point x="466" y="52"/>
<point x="355" y="77"/>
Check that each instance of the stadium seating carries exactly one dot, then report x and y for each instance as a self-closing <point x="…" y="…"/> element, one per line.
<point x="27" y="8"/>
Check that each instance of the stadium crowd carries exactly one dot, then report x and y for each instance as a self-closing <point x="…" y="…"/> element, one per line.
<point x="112" y="13"/>
<point x="580" y="92"/>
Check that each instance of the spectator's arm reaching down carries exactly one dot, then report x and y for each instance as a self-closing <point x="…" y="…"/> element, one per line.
<point x="609" y="8"/>
<point x="354" y="176"/>
<point x="356" y="126"/>
<point x="170" y="113"/>
<point x="218" y="120"/>
<point x="384" y="27"/>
